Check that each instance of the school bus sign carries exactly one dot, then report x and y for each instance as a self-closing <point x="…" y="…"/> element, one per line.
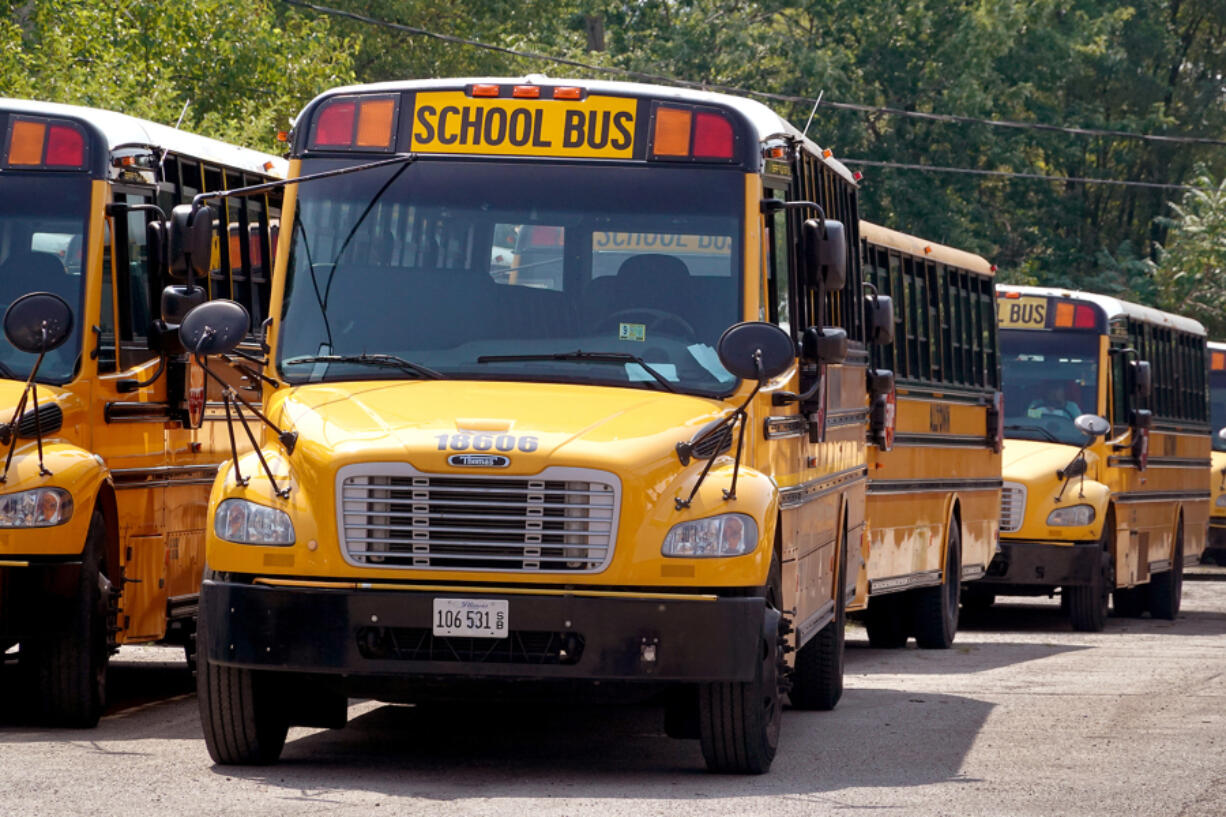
<point x="598" y="127"/>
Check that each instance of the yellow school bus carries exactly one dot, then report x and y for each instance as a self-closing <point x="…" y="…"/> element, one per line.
<point x="1107" y="445"/>
<point x="1215" y="547"/>
<point x="637" y="464"/>
<point x="105" y="481"/>
<point x="935" y="437"/>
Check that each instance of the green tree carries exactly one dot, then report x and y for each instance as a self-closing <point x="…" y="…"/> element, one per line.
<point x="242" y="69"/>
<point x="1190" y="276"/>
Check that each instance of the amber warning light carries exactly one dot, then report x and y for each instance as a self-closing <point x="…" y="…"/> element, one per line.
<point x="43" y="143"/>
<point x="685" y="133"/>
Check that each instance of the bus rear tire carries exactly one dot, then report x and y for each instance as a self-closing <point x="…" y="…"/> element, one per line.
<point x="1129" y="602"/>
<point x="738" y="721"/>
<point x="69" y="663"/>
<point x="936" y="608"/>
<point x="817" y="679"/>
<point x="1087" y="604"/>
<point x="242" y="717"/>
<point x="884" y="621"/>
<point x="1166" y="588"/>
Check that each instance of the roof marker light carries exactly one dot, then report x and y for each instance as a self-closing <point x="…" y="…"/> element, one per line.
<point x="485" y="90"/>
<point x="993" y="268"/>
<point x="526" y="92"/>
<point x="568" y="92"/>
<point x="1013" y="294"/>
<point x="857" y="175"/>
<point x="927" y="249"/>
<point x="827" y="153"/>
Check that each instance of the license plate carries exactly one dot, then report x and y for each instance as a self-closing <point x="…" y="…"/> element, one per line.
<point x="475" y="618"/>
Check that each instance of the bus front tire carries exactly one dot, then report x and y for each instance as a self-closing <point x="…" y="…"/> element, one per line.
<point x="1166" y="588"/>
<point x="936" y="608"/>
<point x="1087" y="604"/>
<point x="69" y="663"/>
<point x="240" y="713"/>
<point x="738" y="722"/>
<point x="817" y="679"/>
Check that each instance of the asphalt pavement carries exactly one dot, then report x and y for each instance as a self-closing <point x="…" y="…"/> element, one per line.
<point x="1022" y="717"/>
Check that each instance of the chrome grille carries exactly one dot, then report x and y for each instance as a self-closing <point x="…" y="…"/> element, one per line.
<point x="1012" y="506"/>
<point x="563" y="520"/>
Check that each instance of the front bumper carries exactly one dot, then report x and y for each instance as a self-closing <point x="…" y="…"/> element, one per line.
<point x="387" y="633"/>
<point x="1045" y="564"/>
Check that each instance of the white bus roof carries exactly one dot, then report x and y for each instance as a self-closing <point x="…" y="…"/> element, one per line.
<point x="1217" y="345"/>
<point x="121" y="130"/>
<point x="918" y="247"/>
<point x="768" y="123"/>
<point x="1113" y="307"/>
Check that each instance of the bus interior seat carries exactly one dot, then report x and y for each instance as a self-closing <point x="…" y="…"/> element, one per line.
<point x="32" y="271"/>
<point x="663" y="282"/>
<point x="460" y="306"/>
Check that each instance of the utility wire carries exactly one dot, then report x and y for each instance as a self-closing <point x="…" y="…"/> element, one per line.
<point x="1019" y="175"/>
<point x="708" y="86"/>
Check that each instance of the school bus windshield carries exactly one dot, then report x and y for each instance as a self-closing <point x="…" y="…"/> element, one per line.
<point x="1050" y="378"/>
<point x="42" y="227"/>
<point x="1217" y="407"/>
<point x="449" y="263"/>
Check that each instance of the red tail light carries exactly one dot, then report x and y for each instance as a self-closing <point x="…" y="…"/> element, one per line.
<point x="334" y="124"/>
<point x="1085" y="318"/>
<point x="713" y="137"/>
<point x="65" y="147"/>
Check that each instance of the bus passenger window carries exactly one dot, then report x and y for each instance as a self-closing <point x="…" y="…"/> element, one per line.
<point x="528" y="255"/>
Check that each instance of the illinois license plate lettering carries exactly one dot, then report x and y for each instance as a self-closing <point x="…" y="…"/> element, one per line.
<point x="474" y="618"/>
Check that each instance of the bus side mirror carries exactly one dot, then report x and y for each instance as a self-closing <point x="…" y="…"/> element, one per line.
<point x="827" y="345"/>
<point x="215" y="328"/>
<point x="177" y="301"/>
<point x="1142" y="379"/>
<point x="157" y="244"/>
<point x="191" y="241"/>
<point x="879" y="319"/>
<point x="825" y="255"/>
<point x="755" y="350"/>
<point x="1092" y="425"/>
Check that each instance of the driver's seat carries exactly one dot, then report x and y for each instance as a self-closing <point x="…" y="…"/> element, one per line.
<point x="651" y="281"/>
<point x="27" y="271"/>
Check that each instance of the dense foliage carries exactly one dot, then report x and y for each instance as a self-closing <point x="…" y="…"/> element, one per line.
<point x="1149" y="66"/>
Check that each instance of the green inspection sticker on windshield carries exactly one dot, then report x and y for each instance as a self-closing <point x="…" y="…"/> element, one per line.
<point x="632" y="331"/>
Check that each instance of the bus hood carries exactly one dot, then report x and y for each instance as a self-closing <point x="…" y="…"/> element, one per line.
<point x="1028" y="460"/>
<point x="532" y="425"/>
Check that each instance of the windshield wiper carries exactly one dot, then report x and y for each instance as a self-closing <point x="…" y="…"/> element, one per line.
<point x="578" y="354"/>
<point x="390" y="361"/>
<point x="1020" y="427"/>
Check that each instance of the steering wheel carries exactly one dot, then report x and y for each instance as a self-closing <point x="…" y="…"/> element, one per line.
<point x="656" y="318"/>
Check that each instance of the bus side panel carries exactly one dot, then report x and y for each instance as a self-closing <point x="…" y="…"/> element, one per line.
<point x="938" y="443"/>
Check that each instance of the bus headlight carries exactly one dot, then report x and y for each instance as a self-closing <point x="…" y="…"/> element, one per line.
<point x="729" y="534"/>
<point x="1071" y="517"/>
<point x="38" y="508"/>
<point x="247" y="523"/>
<point x="1220" y="501"/>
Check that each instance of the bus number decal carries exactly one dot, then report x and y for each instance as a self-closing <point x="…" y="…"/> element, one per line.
<point x="482" y="441"/>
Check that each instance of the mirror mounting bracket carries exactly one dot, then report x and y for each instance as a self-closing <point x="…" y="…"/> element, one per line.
<point x="740" y="415"/>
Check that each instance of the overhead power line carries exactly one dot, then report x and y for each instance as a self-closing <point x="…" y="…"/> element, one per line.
<point x="1012" y="174"/>
<point x="708" y="86"/>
